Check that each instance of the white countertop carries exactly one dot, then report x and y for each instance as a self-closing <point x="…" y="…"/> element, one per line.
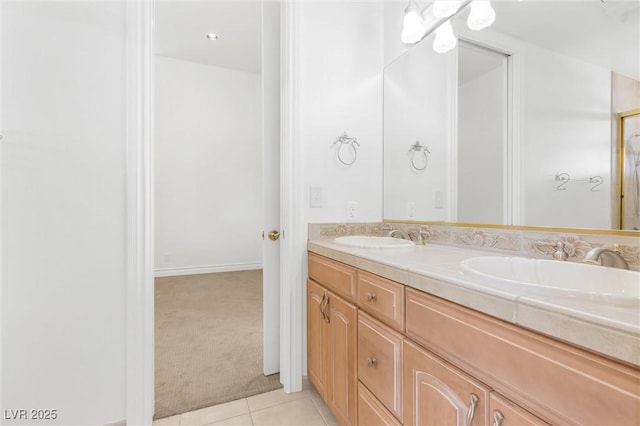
<point x="610" y="330"/>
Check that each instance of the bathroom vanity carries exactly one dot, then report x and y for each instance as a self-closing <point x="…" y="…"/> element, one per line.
<point x="402" y="337"/>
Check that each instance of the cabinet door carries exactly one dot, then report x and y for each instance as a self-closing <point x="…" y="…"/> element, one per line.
<point x="505" y="413"/>
<point x="342" y="351"/>
<point x="317" y="337"/>
<point x="436" y="393"/>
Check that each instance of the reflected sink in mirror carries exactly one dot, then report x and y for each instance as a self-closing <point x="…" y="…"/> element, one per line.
<point x="562" y="279"/>
<point x="373" y="242"/>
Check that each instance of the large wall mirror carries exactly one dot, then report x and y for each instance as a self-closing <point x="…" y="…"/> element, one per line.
<point x="521" y="124"/>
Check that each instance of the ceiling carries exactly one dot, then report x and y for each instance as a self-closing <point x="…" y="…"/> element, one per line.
<point x="605" y="33"/>
<point x="181" y="27"/>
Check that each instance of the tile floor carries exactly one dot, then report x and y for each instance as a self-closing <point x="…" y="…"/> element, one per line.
<point x="271" y="408"/>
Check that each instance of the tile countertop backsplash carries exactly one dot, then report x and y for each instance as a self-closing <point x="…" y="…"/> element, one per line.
<point x="610" y="330"/>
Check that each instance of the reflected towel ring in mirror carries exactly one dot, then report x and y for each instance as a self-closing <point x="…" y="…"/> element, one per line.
<point x="343" y="140"/>
<point x="416" y="148"/>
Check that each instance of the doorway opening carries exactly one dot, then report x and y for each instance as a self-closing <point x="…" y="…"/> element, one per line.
<point x="483" y="135"/>
<point x="211" y="184"/>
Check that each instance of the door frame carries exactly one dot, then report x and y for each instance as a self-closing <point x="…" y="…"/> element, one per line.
<point x="139" y="186"/>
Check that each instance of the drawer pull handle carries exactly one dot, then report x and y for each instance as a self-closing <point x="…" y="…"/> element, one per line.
<point x="371" y="297"/>
<point x="472" y="408"/>
<point x="371" y="361"/>
<point x="497" y="418"/>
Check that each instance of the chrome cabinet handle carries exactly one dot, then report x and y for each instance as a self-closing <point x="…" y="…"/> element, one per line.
<point x="371" y="361"/>
<point x="497" y="418"/>
<point x="371" y="297"/>
<point x="472" y="407"/>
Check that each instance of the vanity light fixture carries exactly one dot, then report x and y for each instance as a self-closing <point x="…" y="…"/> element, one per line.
<point x="481" y="16"/>
<point x="445" y="9"/>
<point x="212" y="36"/>
<point x="445" y="38"/>
<point x="413" y="25"/>
<point x="438" y="15"/>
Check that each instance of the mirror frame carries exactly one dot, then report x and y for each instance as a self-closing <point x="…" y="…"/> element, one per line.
<point x="593" y="231"/>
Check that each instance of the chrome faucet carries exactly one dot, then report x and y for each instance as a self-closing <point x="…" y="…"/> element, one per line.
<point x="419" y="236"/>
<point x="606" y="257"/>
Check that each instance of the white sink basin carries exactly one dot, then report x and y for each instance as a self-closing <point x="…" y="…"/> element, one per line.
<point x="373" y="242"/>
<point x="563" y="279"/>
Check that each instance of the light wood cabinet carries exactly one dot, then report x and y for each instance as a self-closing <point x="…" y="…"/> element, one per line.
<point x="381" y="353"/>
<point x="382" y="299"/>
<point x="380" y="362"/>
<point x="371" y="412"/>
<point x="317" y="369"/>
<point x="559" y="383"/>
<point x="332" y="350"/>
<point x="503" y="412"/>
<point x="342" y="343"/>
<point x="436" y="393"/>
<point x="334" y="276"/>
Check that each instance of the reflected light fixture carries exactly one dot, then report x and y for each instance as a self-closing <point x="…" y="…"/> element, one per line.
<point x="444" y="8"/>
<point x="482" y="14"/>
<point x="212" y="36"/>
<point x="416" y="23"/>
<point x="445" y="39"/>
<point x="413" y="25"/>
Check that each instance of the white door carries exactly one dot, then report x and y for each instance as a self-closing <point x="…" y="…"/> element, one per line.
<point x="271" y="183"/>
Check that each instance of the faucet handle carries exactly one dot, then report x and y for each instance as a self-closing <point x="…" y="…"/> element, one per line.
<point x="560" y="253"/>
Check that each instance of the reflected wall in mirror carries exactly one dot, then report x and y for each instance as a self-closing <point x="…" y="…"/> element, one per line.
<point x="540" y="147"/>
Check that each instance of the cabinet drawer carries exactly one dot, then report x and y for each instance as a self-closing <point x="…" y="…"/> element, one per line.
<point x="504" y="413"/>
<point x="380" y="362"/>
<point x="382" y="298"/>
<point x="371" y="412"/>
<point x="335" y="276"/>
<point x="555" y="381"/>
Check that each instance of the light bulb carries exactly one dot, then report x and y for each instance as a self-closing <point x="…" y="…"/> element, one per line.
<point x="482" y="15"/>
<point x="444" y="8"/>
<point x="445" y="39"/>
<point x="413" y="25"/>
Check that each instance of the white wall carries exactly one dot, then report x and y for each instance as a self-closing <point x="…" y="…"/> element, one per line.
<point x="417" y="107"/>
<point x="208" y="165"/>
<point x="341" y="59"/>
<point x="481" y="148"/>
<point x="63" y="210"/>
<point x="566" y="127"/>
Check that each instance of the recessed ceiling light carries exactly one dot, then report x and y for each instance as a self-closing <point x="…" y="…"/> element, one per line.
<point x="212" y="36"/>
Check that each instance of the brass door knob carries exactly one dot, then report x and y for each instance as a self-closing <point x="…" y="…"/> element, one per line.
<point x="274" y="235"/>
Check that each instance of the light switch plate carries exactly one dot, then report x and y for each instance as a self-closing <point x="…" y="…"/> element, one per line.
<point x="352" y="210"/>
<point x="315" y="197"/>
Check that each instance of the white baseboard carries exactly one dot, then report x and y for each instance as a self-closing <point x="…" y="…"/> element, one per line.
<point x="194" y="270"/>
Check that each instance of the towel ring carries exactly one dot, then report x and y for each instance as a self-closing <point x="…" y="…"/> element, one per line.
<point x="343" y="140"/>
<point x="416" y="148"/>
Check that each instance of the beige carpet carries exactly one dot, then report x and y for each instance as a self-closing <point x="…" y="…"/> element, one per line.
<point x="208" y="341"/>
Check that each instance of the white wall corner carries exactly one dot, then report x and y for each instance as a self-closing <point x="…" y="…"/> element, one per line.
<point x="139" y="183"/>
<point x="293" y="243"/>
